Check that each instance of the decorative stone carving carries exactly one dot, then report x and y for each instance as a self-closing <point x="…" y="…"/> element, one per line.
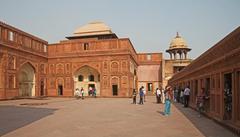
<point x="105" y="82"/>
<point x="115" y="80"/>
<point x="114" y="66"/>
<point x="59" y="69"/>
<point x="124" y="81"/>
<point x="42" y="69"/>
<point x="11" y="62"/>
<point x="67" y="68"/>
<point x="11" y="81"/>
<point x="51" y="69"/>
<point x="68" y="82"/>
<point x="51" y="83"/>
<point x="124" y="66"/>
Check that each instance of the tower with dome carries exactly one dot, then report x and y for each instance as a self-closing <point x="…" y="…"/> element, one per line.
<point x="179" y="59"/>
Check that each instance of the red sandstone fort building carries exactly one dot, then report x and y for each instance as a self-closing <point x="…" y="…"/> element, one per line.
<point x="93" y="56"/>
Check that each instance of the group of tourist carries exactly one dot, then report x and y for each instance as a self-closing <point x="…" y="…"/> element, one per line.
<point x="162" y="96"/>
<point x="182" y="96"/>
<point x="142" y="95"/>
<point x="80" y="93"/>
<point x="92" y="91"/>
<point x="168" y="95"/>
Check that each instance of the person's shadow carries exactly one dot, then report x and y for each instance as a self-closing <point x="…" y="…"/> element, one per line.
<point x="161" y="112"/>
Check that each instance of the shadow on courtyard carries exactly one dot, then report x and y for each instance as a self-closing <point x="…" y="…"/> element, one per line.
<point x="205" y="125"/>
<point x="14" y="117"/>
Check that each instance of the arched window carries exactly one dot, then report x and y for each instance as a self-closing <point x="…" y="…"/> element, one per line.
<point x="91" y="78"/>
<point x="80" y="78"/>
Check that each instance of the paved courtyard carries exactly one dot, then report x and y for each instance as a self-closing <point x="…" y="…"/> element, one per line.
<point x="101" y="117"/>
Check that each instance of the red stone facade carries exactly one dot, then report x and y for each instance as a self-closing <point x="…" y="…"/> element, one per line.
<point x="54" y="65"/>
<point x="17" y="49"/>
<point x="218" y="72"/>
<point x="150" y="71"/>
<point x="90" y="58"/>
<point x="113" y="59"/>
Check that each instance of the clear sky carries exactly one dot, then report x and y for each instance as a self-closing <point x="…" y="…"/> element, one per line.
<point x="150" y="24"/>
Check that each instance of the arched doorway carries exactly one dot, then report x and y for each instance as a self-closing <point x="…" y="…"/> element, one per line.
<point x="87" y="78"/>
<point x="26" y="80"/>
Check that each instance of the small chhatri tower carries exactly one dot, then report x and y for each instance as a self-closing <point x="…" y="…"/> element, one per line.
<point x="178" y="51"/>
<point x="178" y="48"/>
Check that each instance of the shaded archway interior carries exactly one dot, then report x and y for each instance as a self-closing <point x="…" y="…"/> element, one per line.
<point x="87" y="78"/>
<point x="26" y="81"/>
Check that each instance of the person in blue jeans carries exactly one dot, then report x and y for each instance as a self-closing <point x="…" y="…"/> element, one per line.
<point x="168" y="97"/>
<point x="141" y="94"/>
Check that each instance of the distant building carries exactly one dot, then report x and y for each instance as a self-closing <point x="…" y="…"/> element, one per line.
<point x="92" y="58"/>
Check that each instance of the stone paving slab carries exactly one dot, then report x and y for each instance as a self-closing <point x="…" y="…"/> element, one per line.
<point x="100" y="117"/>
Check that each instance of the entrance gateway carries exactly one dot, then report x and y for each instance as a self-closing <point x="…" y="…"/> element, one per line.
<point x="26" y="80"/>
<point x="87" y="78"/>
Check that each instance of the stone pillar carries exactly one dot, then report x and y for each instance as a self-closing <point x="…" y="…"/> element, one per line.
<point x="185" y="55"/>
<point x="180" y="55"/>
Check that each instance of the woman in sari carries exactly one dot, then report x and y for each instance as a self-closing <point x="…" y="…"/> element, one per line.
<point x="168" y="98"/>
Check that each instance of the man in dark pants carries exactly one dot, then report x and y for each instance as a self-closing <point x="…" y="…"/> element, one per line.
<point x="141" y="94"/>
<point x="186" y="96"/>
<point x="134" y="96"/>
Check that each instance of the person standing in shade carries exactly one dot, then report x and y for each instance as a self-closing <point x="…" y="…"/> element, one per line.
<point x="175" y="95"/>
<point x="186" y="96"/>
<point x="168" y="98"/>
<point x="181" y="96"/>
<point x="200" y="102"/>
<point x="82" y="92"/>
<point x="134" y="96"/>
<point x="94" y="92"/>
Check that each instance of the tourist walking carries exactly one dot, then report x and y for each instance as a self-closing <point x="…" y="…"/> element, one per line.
<point x="168" y="98"/>
<point x="82" y="92"/>
<point x="144" y="94"/>
<point x="200" y="102"/>
<point x="175" y="94"/>
<point x="134" y="96"/>
<point x="158" y="95"/>
<point x="94" y="92"/>
<point x="163" y="96"/>
<point x="182" y="96"/>
<point x="90" y="91"/>
<point x="186" y="96"/>
<point x="77" y="93"/>
<point x="141" y="94"/>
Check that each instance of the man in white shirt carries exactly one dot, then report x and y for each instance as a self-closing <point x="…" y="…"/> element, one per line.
<point x="158" y="95"/>
<point x="77" y="93"/>
<point x="186" y="96"/>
